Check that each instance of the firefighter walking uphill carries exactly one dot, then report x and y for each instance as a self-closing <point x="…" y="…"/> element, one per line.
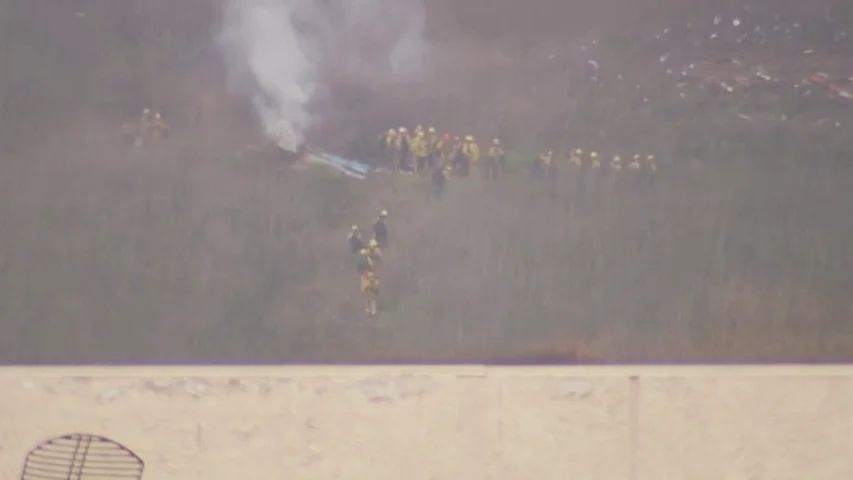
<point x="375" y="253"/>
<point x="368" y="281"/>
<point x="355" y="241"/>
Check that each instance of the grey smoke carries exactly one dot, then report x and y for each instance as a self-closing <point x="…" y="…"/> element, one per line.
<point x="280" y="52"/>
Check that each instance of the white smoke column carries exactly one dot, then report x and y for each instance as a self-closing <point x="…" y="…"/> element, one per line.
<point x="277" y="50"/>
<point x="266" y="58"/>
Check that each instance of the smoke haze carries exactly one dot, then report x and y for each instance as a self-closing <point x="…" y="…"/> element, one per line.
<point x="280" y="53"/>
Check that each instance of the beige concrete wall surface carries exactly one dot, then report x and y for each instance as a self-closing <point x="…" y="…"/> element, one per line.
<point x="607" y="423"/>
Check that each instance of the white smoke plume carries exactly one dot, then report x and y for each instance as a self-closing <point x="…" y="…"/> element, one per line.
<point x="278" y="52"/>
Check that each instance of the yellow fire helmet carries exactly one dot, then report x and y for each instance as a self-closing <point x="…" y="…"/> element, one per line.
<point x="383" y="213"/>
<point x="391" y="131"/>
<point x="636" y="156"/>
<point x="146" y="111"/>
<point x="469" y="138"/>
<point x="431" y="129"/>
<point x="364" y="251"/>
<point x="579" y="152"/>
<point x="373" y="243"/>
<point x="616" y="159"/>
<point x="593" y="155"/>
<point x="354" y="228"/>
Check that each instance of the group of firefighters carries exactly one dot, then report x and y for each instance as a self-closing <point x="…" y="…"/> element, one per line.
<point x="423" y="151"/>
<point x="369" y="257"/>
<point x="151" y="127"/>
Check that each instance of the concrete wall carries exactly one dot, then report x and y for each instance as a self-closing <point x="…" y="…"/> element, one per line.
<point x="604" y="423"/>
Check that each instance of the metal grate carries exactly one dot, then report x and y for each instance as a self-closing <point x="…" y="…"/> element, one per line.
<point x="82" y="457"/>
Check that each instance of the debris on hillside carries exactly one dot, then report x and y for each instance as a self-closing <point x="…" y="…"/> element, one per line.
<point x="351" y="168"/>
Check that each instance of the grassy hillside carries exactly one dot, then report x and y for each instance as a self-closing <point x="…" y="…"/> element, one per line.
<point x="199" y="250"/>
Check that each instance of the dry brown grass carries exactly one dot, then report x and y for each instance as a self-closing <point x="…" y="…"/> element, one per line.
<point x="187" y="251"/>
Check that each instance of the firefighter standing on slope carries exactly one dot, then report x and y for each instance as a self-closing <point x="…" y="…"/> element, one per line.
<point x="432" y="147"/>
<point x="443" y="151"/>
<point x="368" y="281"/>
<point x="456" y="155"/>
<point x="419" y="151"/>
<point x="354" y="239"/>
<point x="496" y="160"/>
<point x="470" y="154"/>
<point x="375" y="253"/>
<point x="594" y="173"/>
<point x="389" y="148"/>
<point x="615" y="171"/>
<point x="576" y="168"/>
<point x="380" y="229"/>
<point x="158" y="128"/>
<point x="634" y="171"/>
<point x="402" y="143"/>
<point x="549" y="167"/>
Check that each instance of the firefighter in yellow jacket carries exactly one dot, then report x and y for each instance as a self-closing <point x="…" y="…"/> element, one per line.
<point x="634" y="171"/>
<point x="420" y="151"/>
<point x="615" y="172"/>
<point x="576" y="159"/>
<point x="368" y="281"/>
<point x="549" y="167"/>
<point x="432" y="147"/>
<point x="496" y="160"/>
<point x="594" y="174"/>
<point x="470" y="154"/>
<point x="375" y="253"/>
<point x="576" y="168"/>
